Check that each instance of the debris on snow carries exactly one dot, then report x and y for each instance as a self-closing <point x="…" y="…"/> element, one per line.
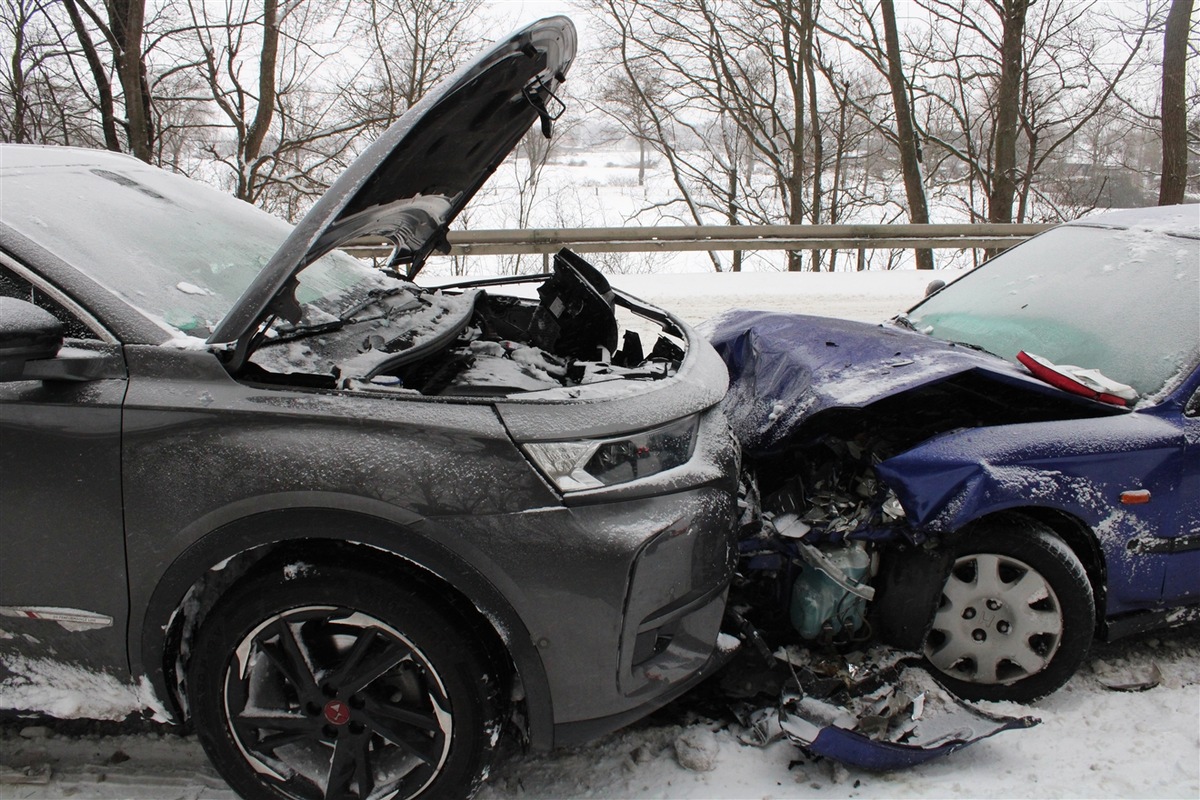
<point x="696" y="750"/>
<point x="1149" y="679"/>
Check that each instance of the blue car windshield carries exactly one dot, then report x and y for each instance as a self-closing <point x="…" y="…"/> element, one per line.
<point x="1124" y="302"/>
<point x="179" y="252"/>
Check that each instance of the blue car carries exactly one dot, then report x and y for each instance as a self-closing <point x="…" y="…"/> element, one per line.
<point x="997" y="477"/>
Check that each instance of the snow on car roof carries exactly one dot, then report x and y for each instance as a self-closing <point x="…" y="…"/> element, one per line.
<point x="1172" y="220"/>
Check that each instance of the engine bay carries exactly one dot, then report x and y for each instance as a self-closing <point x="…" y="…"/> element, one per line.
<point x="465" y="341"/>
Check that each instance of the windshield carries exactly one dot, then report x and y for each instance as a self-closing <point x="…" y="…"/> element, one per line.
<point x="179" y="252"/>
<point x="1124" y="302"/>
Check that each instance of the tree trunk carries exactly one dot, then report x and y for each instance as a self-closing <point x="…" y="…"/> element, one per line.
<point x="104" y="99"/>
<point x="1004" y="166"/>
<point x="127" y="20"/>
<point x="731" y="214"/>
<point x="266" y="82"/>
<point x="807" y="24"/>
<point x="1174" y="110"/>
<point x="910" y="158"/>
<point x="795" y="178"/>
<point x="17" y="132"/>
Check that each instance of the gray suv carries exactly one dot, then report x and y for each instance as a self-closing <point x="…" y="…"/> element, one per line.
<point x="348" y="528"/>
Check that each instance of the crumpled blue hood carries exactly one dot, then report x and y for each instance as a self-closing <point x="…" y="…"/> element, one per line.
<point x="784" y="368"/>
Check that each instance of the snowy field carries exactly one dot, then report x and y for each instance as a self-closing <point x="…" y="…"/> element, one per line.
<point x="1093" y="741"/>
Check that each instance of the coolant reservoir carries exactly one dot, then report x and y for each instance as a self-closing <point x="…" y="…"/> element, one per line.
<point x="818" y="599"/>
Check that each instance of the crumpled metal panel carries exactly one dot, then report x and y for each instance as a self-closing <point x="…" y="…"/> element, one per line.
<point x="785" y="368"/>
<point x="1077" y="467"/>
<point x="952" y="731"/>
<point x="883" y="712"/>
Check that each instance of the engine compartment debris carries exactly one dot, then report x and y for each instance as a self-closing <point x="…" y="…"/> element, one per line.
<point x="810" y="551"/>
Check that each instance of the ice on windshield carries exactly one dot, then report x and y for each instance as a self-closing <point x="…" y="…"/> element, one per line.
<point x="1123" y="302"/>
<point x="178" y="251"/>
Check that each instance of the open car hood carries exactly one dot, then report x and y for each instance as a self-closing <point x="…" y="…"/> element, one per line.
<point x="412" y="182"/>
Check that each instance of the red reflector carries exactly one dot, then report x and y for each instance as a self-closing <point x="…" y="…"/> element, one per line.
<point x="1135" y="497"/>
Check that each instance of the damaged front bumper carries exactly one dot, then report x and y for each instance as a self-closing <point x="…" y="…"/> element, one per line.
<point x="881" y="711"/>
<point x="891" y="719"/>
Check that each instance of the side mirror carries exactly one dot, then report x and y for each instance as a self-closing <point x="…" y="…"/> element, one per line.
<point x="27" y="333"/>
<point x="934" y="286"/>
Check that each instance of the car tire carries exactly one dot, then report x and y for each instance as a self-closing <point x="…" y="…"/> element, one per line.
<point x="1015" y="616"/>
<point x="323" y="682"/>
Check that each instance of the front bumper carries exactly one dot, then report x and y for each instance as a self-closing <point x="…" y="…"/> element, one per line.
<point x="621" y="591"/>
<point x="622" y="601"/>
<point x="659" y="636"/>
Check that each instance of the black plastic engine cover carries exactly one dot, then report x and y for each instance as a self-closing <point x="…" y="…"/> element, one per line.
<point x="575" y="318"/>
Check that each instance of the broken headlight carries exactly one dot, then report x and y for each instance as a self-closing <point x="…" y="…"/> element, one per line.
<point x="594" y="463"/>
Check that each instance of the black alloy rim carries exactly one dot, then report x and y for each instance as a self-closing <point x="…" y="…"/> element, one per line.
<point x="327" y="702"/>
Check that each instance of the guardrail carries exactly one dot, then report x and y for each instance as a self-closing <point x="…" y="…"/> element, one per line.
<point x="991" y="236"/>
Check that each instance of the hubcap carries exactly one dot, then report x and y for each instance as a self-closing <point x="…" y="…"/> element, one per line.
<point x="327" y="702"/>
<point x="999" y="621"/>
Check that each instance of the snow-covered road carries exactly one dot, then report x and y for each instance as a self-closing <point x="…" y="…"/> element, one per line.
<point x="1093" y="741"/>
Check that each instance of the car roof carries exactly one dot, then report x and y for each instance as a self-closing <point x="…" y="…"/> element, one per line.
<point x="44" y="155"/>
<point x="1181" y="220"/>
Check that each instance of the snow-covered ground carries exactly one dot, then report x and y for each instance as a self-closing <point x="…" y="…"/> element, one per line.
<point x="1093" y="741"/>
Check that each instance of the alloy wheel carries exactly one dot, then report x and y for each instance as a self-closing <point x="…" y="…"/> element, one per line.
<point x="328" y="702"/>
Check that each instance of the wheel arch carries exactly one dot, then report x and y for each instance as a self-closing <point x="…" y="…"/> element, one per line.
<point x="242" y="548"/>
<point x="907" y="572"/>
<point x="1074" y="532"/>
<point x="1083" y="542"/>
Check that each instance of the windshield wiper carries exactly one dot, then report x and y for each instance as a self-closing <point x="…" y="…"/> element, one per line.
<point x="976" y="347"/>
<point x="904" y="322"/>
<point x="289" y="332"/>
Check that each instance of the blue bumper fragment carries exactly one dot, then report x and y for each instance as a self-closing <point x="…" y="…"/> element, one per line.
<point x="887" y="729"/>
<point x="858" y="750"/>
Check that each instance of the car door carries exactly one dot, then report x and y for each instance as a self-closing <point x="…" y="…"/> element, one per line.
<point x="63" y="590"/>
<point x="1181" y="585"/>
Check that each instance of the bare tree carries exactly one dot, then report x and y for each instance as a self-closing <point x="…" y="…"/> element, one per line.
<point x="1004" y="164"/>
<point x="906" y="137"/>
<point x="125" y="31"/>
<point x="627" y="101"/>
<point x="979" y="53"/>
<point x="283" y="130"/>
<point x="48" y="83"/>
<point x="748" y="66"/>
<point x="28" y="87"/>
<point x="644" y="74"/>
<point x="25" y="60"/>
<point x="104" y="96"/>
<point x="1174" y="111"/>
<point x="411" y="45"/>
<point x="120" y="26"/>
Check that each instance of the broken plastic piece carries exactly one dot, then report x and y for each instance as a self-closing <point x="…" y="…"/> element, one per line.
<point x="884" y="729"/>
<point x="1077" y="380"/>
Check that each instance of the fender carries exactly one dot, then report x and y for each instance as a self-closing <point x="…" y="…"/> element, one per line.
<point x="1079" y="468"/>
<point x="395" y="537"/>
<point x="1068" y="465"/>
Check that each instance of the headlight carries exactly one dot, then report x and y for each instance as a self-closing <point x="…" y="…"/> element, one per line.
<point x="592" y="463"/>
